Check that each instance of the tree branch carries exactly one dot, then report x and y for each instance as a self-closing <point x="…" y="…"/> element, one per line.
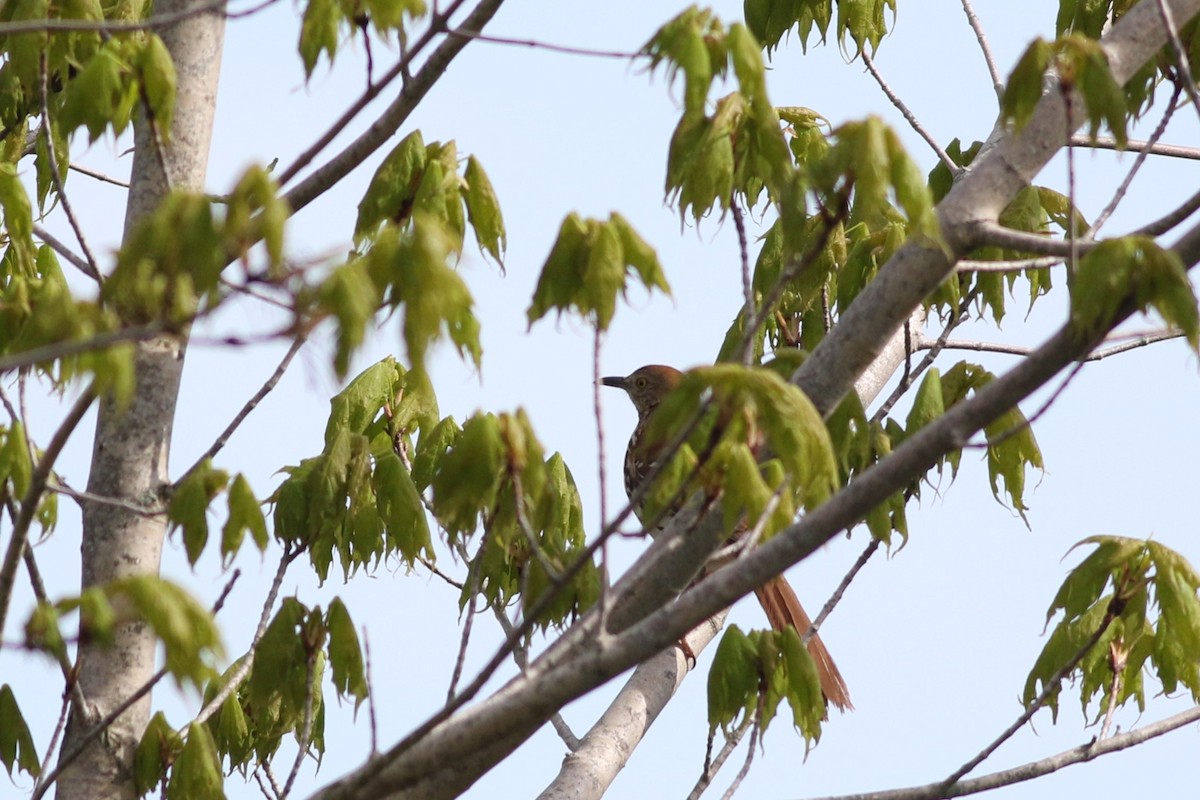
<point x="1034" y="769"/>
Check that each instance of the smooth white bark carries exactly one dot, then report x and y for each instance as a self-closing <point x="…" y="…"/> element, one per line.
<point x="131" y="447"/>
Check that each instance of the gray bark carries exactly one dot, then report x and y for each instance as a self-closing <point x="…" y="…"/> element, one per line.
<point x="131" y="447"/>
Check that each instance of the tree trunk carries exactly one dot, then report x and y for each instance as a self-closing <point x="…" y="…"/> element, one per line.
<point x="130" y="452"/>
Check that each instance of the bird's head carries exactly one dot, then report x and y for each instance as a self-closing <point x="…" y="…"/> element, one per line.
<point x="647" y="386"/>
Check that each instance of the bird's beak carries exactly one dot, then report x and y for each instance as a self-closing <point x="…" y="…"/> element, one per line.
<point x="615" y="381"/>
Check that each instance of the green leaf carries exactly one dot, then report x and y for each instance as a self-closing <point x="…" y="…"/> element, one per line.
<point x="733" y="679"/>
<point x="319" y="32"/>
<point x="245" y="514"/>
<point x="401" y="509"/>
<point x="18" y="219"/>
<point x="467" y="477"/>
<point x="196" y="775"/>
<point x="157" y="750"/>
<point x="14" y="459"/>
<point x="157" y="71"/>
<point x="16" y="743"/>
<point x="393" y="187"/>
<point x="590" y="264"/>
<point x="345" y="654"/>
<point x="483" y="210"/>
<point x="103" y="93"/>
<point x="927" y="405"/>
<point x="1136" y="270"/>
<point x="189" y="506"/>
<point x="1023" y="90"/>
<point x="186" y="629"/>
<point x="863" y="21"/>
<point x="352" y="297"/>
<point x="354" y="408"/>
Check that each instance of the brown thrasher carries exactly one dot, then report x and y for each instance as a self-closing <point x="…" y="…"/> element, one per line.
<point x="646" y="387"/>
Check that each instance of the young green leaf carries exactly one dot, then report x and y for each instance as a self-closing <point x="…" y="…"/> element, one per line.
<point x="401" y="510"/>
<point x="345" y="654"/>
<point x="245" y="514"/>
<point x="157" y="73"/>
<point x="157" y="750"/>
<point x="483" y="210"/>
<point x="590" y="263"/>
<point x="16" y="744"/>
<point x="196" y="774"/>
<point x="186" y="629"/>
<point x="189" y="506"/>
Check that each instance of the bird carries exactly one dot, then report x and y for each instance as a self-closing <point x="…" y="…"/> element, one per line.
<point x="646" y="387"/>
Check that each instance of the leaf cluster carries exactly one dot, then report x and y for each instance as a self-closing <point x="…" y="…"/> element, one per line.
<point x="752" y="673"/>
<point x="1133" y="273"/>
<point x="326" y="22"/>
<point x="589" y="265"/>
<point x="1134" y="601"/>
<point x="171" y="263"/>
<point x="1078" y="62"/>
<point x="1090" y="18"/>
<point x="860" y="20"/>
<point x="190" y="639"/>
<point x="491" y="476"/>
<point x="411" y="223"/>
<point x="738" y="147"/>
<point x="357" y="498"/>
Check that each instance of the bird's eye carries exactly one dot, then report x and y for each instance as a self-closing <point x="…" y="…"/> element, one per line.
<point x="640" y="381"/>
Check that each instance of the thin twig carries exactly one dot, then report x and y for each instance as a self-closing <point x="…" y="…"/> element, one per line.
<point x="909" y="116"/>
<point x="747" y="355"/>
<point x="1116" y="655"/>
<point x="1119" y="194"/>
<point x="371" y="715"/>
<point x="1136" y="146"/>
<point x="1050" y="688"/>
<point x="981" y="37"/>
<point x="836" y="597"/>
<point x="465" y="638"/>
<point x="310" y="690"/>
<point x="553" y="48"/>
<point x="990" y="233"/>
<point x="601" y="465"/>
<point x="33" y="494"/>
<point x="1034" y="769"/>
<point x="100" y="176"/>
<point x="58" y="246"/>
<point x="1019" y="350"/>
<point x="92" y="270"/>
<point x="82" y="497"/>
<point x="713" y="766"/>
<point x="1180" y="53"/>
<point x="754" y="734"/>
<point x="252" y="403"/>
<point x="74" y="347"/>
<point x="1007" y="265"/>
